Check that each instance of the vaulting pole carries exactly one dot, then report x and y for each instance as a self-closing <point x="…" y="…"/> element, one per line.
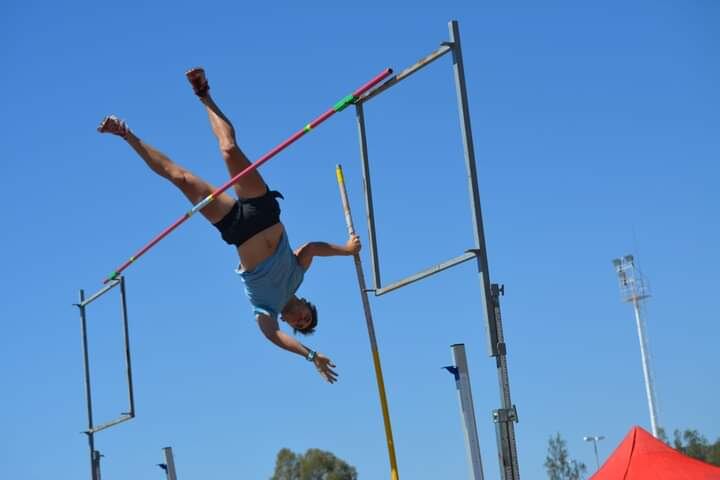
<point x="339" y="106"/>
<point x="371" y="329"/>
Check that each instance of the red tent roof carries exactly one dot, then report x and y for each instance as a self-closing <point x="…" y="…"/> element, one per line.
<point x="641" y="456"/>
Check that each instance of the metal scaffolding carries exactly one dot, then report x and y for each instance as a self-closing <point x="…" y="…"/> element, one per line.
<point x="633" y="289"/>
<point x="506" y="416"/>
<point x="124" y="416"/>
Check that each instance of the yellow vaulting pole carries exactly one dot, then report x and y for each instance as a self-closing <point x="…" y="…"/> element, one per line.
<point x="371" y="329"/>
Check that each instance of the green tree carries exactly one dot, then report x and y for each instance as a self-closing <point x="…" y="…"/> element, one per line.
<point x="313" y="465"/>
<point x="287" y="466"/>
<point x="714" y="454"/>
<point x="558" y="464"/>
<point x="693" y="444"/>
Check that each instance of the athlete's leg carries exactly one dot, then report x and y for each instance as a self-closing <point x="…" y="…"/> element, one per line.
<point x="250" y="185"/>
<point x="194" y="188"/>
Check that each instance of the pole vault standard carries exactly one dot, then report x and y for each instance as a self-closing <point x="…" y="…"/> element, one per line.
<point x="125" y="416"/>
<point x="371" y="329"/>
<point x="339" y="106"/>
<point x="506" y="416"/>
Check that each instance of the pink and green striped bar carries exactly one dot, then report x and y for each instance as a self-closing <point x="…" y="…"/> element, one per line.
<point x="339" y="106"/>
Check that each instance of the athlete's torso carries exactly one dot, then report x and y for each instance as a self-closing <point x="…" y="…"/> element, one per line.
<point x="259" y="247"/>
<point x="272" y="281"/>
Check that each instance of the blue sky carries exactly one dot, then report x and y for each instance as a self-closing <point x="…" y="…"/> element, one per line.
<point x="596" y="134"/>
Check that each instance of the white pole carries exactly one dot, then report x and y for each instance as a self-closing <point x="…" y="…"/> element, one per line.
<point x="634" y="290"/>
<point x="462" y="382"/>
<point x="597" y="457"/>
<point x="649" y="388"/>
<point x="595" y="439"/>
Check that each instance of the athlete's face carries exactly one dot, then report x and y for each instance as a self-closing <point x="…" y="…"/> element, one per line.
<point x="299" y="317"/>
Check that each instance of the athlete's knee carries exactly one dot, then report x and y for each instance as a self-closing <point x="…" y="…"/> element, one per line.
<point x="189" y="184"/>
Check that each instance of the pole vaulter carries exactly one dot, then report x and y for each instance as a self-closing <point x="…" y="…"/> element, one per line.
<point x="370" y="327"/>
<point x="339" y="106"/>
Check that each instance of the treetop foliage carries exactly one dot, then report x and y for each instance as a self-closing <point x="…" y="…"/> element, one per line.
<point x="314" y="464"/>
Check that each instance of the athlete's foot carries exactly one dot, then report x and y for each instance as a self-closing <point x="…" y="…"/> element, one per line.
<point x="112" y="124"/>
<point x="196" y="77"/>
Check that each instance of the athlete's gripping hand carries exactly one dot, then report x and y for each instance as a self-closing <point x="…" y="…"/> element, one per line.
<point x="325" y="368"/>
<point x="353" y="245"/>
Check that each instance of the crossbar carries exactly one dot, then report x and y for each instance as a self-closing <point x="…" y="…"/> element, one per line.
<point x="423" y="62"/>
<point x="122" y="418"/>
<point x="338" y="106"/>
<point x="426" y="273"/>
<point x="112" y="284"/>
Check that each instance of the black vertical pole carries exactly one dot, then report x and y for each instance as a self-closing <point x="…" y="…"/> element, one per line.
<point x="88" y="395"/>
<point x="128" y="364"/>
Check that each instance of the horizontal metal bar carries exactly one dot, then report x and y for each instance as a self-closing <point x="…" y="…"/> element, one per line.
<point x="99" y="293"/>
<point x="123" y="418"/>
<point x="426" y="273"/>
<point x="445" y="48"/>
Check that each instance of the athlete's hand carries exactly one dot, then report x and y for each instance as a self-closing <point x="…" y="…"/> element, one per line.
<point x="353" y="245"/>
<point x="325" y="368"/>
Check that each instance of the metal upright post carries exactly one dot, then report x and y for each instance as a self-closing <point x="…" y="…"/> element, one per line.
<point x="507" y="415"/>
<point x="469" y="149"/>
<point x="128" y="363"/>
<point x="170" y="464"/>
<point x="94" y="465"/>
<point x="647" y="374"/>
<point x="367" y="189"/>
<point x="467" y="410"/>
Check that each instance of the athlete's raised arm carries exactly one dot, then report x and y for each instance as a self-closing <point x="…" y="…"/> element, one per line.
<point x="306" y="253"/>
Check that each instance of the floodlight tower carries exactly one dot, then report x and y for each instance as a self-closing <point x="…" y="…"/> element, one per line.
<point x="634" y="290"/>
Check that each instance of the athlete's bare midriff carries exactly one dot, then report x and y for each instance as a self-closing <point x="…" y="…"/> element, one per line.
<point x="259" y="247"/>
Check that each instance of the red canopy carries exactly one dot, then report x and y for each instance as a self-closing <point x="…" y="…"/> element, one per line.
<point x="641" y="456"/>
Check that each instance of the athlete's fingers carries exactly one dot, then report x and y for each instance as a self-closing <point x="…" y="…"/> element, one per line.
<point x="330" y="374"/>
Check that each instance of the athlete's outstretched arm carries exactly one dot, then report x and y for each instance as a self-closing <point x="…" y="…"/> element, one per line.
<point x="270" y="328"/>
<point x="306" y="253"/>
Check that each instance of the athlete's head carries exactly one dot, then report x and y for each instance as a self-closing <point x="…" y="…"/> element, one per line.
<point x="301" y="315"/>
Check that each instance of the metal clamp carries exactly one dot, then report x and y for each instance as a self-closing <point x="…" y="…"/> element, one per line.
<point x="505" y="415"/>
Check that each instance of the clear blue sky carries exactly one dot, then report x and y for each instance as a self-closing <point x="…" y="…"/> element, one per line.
<point x="596" y="131"/>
